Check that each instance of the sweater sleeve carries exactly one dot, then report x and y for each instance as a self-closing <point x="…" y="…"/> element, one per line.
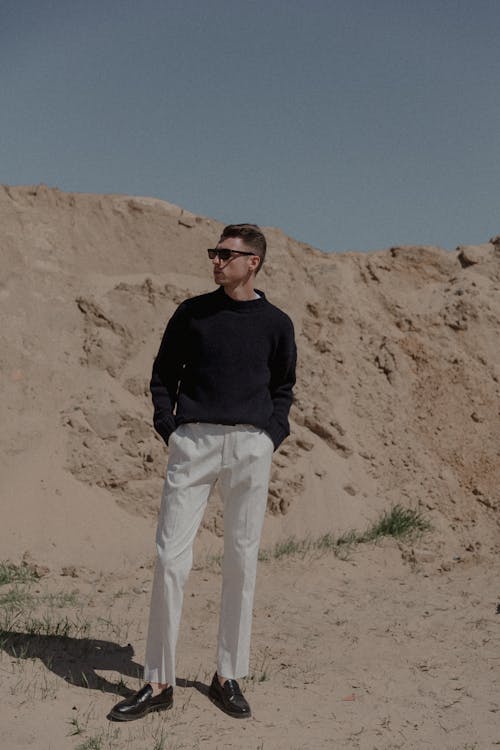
<point x="167" y="369"/>
<point x="281" y="386"/>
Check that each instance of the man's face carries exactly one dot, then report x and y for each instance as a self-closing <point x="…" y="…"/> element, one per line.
<point x="238" y="269"/>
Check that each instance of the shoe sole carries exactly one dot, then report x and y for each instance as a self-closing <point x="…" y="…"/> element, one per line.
<point x="134" y="717"/>
<point x="217" y="702"/>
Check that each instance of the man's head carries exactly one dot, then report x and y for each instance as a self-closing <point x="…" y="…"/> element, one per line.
<point x="251" y="237"/>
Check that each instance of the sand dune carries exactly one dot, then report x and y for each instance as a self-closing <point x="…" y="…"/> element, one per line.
<point x="397" y="402"/>
<point x="397" y="398"/>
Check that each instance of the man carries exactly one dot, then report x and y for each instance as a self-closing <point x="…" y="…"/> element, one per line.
<point x="222" y="390"/>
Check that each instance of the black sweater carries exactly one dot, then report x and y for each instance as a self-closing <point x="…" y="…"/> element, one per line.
<point x="225" y="362"/>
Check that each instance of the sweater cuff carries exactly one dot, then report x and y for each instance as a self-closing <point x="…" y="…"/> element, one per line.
<point x="164" y="428"/>
<point x="276" y="432"/>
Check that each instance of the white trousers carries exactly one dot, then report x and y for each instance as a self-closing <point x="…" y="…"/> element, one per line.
<point x="240" y="458"/>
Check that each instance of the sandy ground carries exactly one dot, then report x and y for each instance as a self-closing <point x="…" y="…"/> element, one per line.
<point x="397" y="402"/>
<point x="370" y="652"/>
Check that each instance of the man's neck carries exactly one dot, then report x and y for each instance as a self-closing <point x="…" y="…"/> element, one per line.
<point x="241" y="292"/>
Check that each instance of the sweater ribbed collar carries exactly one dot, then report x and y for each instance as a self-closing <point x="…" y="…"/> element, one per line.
<point x="241" y="305"/>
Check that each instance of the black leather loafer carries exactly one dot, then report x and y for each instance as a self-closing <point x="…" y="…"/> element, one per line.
<point x="141" y="703"/>
<point x="229" y="698"/>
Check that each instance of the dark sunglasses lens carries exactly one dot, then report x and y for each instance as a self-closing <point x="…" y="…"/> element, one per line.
<point x="223" y="254"/>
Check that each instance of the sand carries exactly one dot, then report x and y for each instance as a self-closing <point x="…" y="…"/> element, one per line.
<point x="397" y="402"/>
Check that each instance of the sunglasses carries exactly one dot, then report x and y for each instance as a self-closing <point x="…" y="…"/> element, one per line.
<point x="224" y="253"/>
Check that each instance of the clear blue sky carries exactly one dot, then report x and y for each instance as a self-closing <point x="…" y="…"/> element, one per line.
<point x="353" y="124"/>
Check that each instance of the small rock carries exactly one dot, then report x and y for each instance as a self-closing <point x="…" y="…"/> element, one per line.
<point x="306" y="445"/>
<point x="69" y="570"/>
<point x="350" y="490"/>
<point x="470" y="255"/>
<point x="486" y="501"/>
<point x="104" y="425"/>
<point x="187" y="220"/>
<point x="423" y="556"/>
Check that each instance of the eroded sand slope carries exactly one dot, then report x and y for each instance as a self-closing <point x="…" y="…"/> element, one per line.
<point x="398" y="385"/>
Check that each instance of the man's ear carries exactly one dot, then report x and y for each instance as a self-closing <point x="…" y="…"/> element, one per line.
<point x="254" y="263"/>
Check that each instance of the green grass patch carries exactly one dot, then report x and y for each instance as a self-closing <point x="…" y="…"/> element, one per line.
<point x="22" y="598"/>
<point x="16" y="598"/>
<point x="16" y="621"/>
<point x="61" y="627"/>
<point x="60" y="599"/>
<point x="10" y="573"/>
<point x="291" y="546"/>
<point x="93" y="743"/>
<point x="398" y="522"/>
<point x="24" y="608"/>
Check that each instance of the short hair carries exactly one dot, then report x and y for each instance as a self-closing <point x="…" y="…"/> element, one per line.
<point x="251" y="235"/>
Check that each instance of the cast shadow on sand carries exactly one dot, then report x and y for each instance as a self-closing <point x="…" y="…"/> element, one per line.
<point x="77" y="660"/>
